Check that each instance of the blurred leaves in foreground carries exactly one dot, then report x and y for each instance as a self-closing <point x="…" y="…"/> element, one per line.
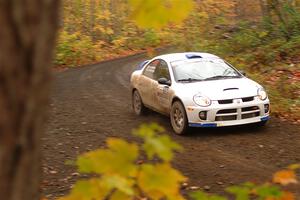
<point x="159" y="13"/>
<point x="121" y="171"/>
<point x="127" y="171"/>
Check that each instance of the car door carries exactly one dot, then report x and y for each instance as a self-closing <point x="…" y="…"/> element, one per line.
<point x="162" y="92"/>
<point x="146" y="83"/>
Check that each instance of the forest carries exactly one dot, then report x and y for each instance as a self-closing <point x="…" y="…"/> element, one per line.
<point x="66" y="118"/>
<point x="259" y="36"/>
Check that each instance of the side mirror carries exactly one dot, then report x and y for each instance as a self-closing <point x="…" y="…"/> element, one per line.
<point x="243" y="73"/>
<point x="164" y="81"/>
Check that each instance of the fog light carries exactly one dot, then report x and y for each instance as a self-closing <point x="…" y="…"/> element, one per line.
<point x="267" y="108"/>
<point x="203" y="115"/>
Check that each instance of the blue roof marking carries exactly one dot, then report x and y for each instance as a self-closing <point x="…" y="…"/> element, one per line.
<point x="192" y="56"/>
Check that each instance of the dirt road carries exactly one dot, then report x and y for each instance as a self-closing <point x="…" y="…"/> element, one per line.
<point x="92" y="103"/>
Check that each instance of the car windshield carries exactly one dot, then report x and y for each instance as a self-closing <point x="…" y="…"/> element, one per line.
<point x="202" y="70"/>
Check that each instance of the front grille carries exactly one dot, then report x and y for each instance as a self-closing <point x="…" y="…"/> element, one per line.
<point x="237" y="113"/>
<point x="250" y="115"/>
<point x="247" y="99"/>
<point x="226" y="118"/>
<point x="226" y="111"/>
<point x="226" y="101"/>
<point x="251" y="108"/>
<point x="229" y="101"/>
<point x="226" y="115"/>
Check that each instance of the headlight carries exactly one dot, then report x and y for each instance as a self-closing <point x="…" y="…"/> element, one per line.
<point x="262" y="94"/>
<point x="202" y="100"/>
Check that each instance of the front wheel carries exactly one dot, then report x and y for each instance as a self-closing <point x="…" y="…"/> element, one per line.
<point x="137" y="103"/>
<point x="178" y="118"/>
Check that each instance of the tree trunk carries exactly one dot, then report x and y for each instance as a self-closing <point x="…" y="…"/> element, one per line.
<point x="27" y="37"/>
<point x="264" y="8"/>
<point x="276" y="6"/>
<point x="92" y="17"/>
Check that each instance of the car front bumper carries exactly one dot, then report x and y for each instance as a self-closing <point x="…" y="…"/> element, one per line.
<point x="235" y="113"/>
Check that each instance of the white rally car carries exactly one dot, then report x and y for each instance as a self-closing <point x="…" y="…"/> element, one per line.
<point x="198" y="90"/>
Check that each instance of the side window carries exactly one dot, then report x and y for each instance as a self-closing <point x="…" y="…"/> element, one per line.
<point x="162" y="71"/>
<point x="150" y="69"/>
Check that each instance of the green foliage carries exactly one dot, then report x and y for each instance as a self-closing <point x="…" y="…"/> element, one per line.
<point x="291" y="47"/>
<point x="241" y="192"/>
<point x="199" y="195"/>
<point x="268" y="191"/>
<point x="157" y="145"/>
<point x="248" y="190"/>
<point x="73" y="49"/>
<point x="151" y="39"/>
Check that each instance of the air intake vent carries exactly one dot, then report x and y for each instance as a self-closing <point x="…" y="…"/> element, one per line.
<point x="227" y="101"/>
<point x="226" y="111"/>
<point x="247" y="99"/>
<point x="252" y="108"/>
<point x="230" y="89"/>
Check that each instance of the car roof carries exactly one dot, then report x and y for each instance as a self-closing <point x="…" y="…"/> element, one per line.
<point x="185" y="56"/>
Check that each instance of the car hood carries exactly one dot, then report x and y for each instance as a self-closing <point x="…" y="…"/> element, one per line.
<point x="222" y="89"/>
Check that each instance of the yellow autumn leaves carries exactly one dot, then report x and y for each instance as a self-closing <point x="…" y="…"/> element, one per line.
<point x="158" y="13"/>
<point x="287" y="176"/>
<point x="117" y="176"/>
<point x="128" y="171"/>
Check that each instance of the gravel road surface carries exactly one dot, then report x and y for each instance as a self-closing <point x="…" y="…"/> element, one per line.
<point x="90" y="104"/>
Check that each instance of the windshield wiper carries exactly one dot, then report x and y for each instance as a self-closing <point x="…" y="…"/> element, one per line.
<point x="189" y="80"/>
<point x="221" y="77"/>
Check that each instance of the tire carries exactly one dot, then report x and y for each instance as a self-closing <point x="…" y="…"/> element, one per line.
<point x="178" y="118"/>
<point x="137" y="103"/>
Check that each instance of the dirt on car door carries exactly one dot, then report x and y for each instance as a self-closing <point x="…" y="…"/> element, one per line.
<point x="162" y="93"/>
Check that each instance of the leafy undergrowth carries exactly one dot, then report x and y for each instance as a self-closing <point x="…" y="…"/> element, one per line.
<point x="126" y="171"/>
<point x="94" y="31"/>
<point x="75" y="49"/>
<point x="282" y="82"/>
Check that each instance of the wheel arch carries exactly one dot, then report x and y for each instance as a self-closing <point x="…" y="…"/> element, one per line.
<point x="186" y="126"/>
<point x="176" y="98"/>
<point x="133" y="89"/>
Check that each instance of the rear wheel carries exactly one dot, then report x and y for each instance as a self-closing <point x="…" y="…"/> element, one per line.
<point x="137" y="104"/>
<point x="178" y="118"/>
